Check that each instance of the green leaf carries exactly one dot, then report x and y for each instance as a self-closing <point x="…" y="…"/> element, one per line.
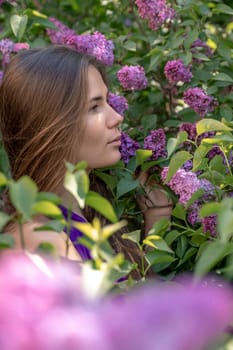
<point x="52" y="225"/>
<point x="222" y="77"/>
<point x="157" y="242"/>
<point x="208" y="209"/>
<point x="130" y="45"/>
<point x="77" y="184"/>
<point x="6" y="241"/>
<point x="133" y="236"/>
<point x="3" y="180"/>
<point x="48" y="196"/>
<point x="108" y="230"/>
<point x="172" y="142"/>
<point x="23" y="195"/>
<point x="222" y="8"/>
<point x="208" y="124"/>
<point x="192" y="36"/>
<point x="142" y="155"/>
<point x="102" y="205"/>
<point x="179" y="212"/>
<point x="126" y="185"/>
<point x="18" y="25"/>
<point x="177" y="160"/>
<point x="47" y="208"/>
<point x="199" y="155"/>
<point x="159" y="259"/>
<point x="226" y="112"/>
<point x="4" y="219"/>
<point x="160" y="227"/>
<point x="212" y="254"/>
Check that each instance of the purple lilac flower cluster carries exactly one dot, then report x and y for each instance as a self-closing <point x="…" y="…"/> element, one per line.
<point x="55" y="312"/>
<point x="209" y="224"/>
<point x="157" y="12"/>
<point x="191" y="130"/>
<point x="200" y="46"/>
<point x="92" y="44"/>
<point x="117" y="102"/>
<point x="58" y="36"/>
<point x="128" y="147"/>
<point x="7" y="47"/>
<point x="183" y="183"/>
<point x="156" y="141"/>
<point x="176" y="71"/>
<point x="199" y="101"/>
<point x="132" y="77"/>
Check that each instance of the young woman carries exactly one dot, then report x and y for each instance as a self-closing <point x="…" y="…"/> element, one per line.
<point x="53" y="108"/>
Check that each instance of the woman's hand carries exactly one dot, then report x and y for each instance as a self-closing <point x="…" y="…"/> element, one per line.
<point x="154" y="203"/>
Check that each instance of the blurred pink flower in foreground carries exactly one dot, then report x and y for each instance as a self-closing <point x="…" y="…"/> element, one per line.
<point x="42" y="307"/>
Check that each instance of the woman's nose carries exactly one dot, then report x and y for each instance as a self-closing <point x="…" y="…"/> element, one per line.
<point x="114" y="118"/>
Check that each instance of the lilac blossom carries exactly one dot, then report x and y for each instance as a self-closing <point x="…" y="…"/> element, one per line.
<point x="132" y="77"/>
<point x="156" y="142"/>
<point x="6" y="48"/>
<point x="183" y="183"/>
<point x="176" y="71"/>
<point x="94" y="44"/>
<point x="1" y="76"/>
<point x="43" y="307"/>
<point x="193" y="213"/>
<point x="209" y="224"/>
<point x="215" y="150"/>
<point x="199" y="101"/>
<point x="20" y="46"/>
<point x="59" y="35"/>
<point x="118" y="103"/>
<point x="128" y="147"/>
<point x="191" y="130"/>
<point x="157" y="12"/>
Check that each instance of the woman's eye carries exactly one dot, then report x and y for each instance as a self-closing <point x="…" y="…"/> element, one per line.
<point x="94" y="108"/>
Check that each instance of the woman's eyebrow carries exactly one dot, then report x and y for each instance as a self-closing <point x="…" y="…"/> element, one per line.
<point x="98" y="98"/>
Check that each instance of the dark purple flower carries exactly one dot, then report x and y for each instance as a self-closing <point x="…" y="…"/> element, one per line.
<point x="188" y="165"/>
<point x="132" y="77"/>
<point x="205" y="135"/>
<point x="199" y="101"/>
<point x="209" y="224"/>
<point x="176" y="71"/>
<point x="156" y="142"/>
<point x="156" y="11"/>
<point x="128" y="147"/>
<point x="193" y="213"/>
<point x="191" y="130"/>
<point x="117" y="102"/>
<point x="215" y="150"/>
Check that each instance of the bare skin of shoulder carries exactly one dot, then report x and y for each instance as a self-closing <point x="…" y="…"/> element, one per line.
<point x="32" y="239"/>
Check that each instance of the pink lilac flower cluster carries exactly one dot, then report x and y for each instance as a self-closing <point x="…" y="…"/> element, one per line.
<point x="209" y="224"/>
<point x="199" y="46"/>
<point x="156" y="141"/>
<point x="117" y="102"/>
<point x="157" y="12"/>
<point x="176" y="71"/>
<point x="199" y="101"/>
<point x="128" y="147"/>
<point x="183" y="183"/>
<point x="94" y="44"/>
<point x="7" y="47"/>
<point x="132" y="77"/>
<point x="43" y="307"/>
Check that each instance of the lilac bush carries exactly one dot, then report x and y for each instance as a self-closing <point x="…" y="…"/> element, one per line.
<point x="128" y="147"/>
<point x="156" y="142"/>
<point x="117" y="102"/>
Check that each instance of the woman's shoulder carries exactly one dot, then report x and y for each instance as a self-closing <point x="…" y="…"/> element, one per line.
<point x="33" y="237"/>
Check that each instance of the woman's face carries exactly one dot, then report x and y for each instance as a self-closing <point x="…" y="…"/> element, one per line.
<point x="101" y="139"/>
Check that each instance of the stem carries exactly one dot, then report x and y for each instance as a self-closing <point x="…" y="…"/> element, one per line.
<point x="21" y="234"/>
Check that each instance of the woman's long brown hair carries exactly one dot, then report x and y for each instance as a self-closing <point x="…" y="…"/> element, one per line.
<point x="43" y="98"/>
